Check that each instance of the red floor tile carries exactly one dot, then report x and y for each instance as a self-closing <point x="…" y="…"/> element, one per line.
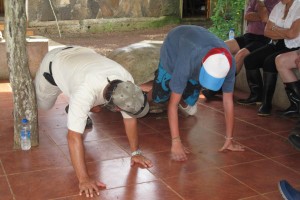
<point x="209" y="184"/>
<point x="1" y="170"/>
<point x="116" y="129"/>
<point x="164" y="167"/>
<point x="119" y="173"/>
<point x="273" y="123"/>
<point x="210" y="152"/>
<point x="99" y="150"/>
<point x="291" y="161"/>
<point x="5" y="192"/>
<point x="262" y="176"/>
<point x="145" y="191"/>
<point x="34" y="159"/>
<point x="44" y="184"/>
<point x="148" y="143"/>
<point x="269" y="145"/>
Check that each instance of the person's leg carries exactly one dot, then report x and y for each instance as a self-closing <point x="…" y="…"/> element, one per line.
<point x="270" y="79"/>
<point x="239" y="59"/>
<point x="233" y="45"/>
<point x="252" y="63"/>
<point x="285" y="63"/>
<point x="160" y="92"/>
<point x="292" y="90"/>
<point x="190" y="96"/>
<point x="252" y="43"/>
<point x="46" y="93"/>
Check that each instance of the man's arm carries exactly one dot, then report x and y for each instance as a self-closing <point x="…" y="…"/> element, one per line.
<point x="177" y="150"/>
<point x="262" y="13"/>
<point x="252" y="17"/>
<point x="76" y="148"/>
<point x="229" y="119"/>
<point x="275" y="32"/>
<point x="132" y="135"/>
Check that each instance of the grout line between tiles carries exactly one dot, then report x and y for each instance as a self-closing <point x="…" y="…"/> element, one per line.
<point x="6" y="178"/>
<point x="247" y="198"/>
<point x="171" y="188"/>
<point x="239" y="181"/>
<point x="243" y="120"/>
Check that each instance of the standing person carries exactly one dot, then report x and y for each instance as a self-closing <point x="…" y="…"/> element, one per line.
<point x="191" y="57"/>
<point x="90" y="80"/>
<point x="256" y="16"/>
<point x="283" y="28"/>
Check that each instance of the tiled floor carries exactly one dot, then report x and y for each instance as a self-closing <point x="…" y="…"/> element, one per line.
<point x="45" y="172"/>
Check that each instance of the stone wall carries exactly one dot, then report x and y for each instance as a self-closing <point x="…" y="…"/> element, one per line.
<point x="37" y="47"/>
<point x="40" y="10"/>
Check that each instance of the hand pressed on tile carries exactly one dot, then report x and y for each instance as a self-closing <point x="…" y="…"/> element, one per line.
<point x="140" y="159"/>
<point x="178" y="151"/>
<point x="89" y="186"/>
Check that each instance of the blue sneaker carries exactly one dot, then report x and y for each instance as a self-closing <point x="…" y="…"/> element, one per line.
<point x="287" y="191"/>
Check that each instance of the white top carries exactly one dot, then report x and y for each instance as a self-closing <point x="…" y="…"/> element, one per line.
<point x="294" y="13"/>
<point x="82" y="74"/>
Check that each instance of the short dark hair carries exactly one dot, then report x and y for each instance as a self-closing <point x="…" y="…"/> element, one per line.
<point x="110" y="88"/>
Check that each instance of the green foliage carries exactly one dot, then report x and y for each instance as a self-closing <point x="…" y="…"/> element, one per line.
<point x="227" y="14"/>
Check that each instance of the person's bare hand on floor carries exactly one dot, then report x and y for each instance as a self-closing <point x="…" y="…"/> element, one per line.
<point x="140" y="159"/>
<point x="89" y="187"/>
<point x="178" y="151"/>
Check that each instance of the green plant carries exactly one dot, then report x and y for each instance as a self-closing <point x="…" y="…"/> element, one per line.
<point x="227" y="14"/>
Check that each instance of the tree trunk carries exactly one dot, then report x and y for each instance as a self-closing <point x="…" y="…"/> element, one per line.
<point x="19" y="76"/>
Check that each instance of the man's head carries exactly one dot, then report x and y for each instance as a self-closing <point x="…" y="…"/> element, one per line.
<point x="127" y="97"/>
<point x="215" y="67"/>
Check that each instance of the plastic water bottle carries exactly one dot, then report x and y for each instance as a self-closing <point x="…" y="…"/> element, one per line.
<point x="1" y="37"/>
<point x="231" y="34"/>
<point x="25" y="135"/>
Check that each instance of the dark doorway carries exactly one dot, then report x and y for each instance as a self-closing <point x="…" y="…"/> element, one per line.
<point x="1" y="8"/>
<point x="195" y="8"/>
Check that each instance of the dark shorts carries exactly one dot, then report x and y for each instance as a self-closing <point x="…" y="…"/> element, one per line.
<point x="161" y="91"/>
<point x="251" y="41"/>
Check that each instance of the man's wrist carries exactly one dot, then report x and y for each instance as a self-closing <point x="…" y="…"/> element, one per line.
<point x="136" y="152"/>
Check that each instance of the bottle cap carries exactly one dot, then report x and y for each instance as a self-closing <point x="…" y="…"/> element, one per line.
<point x="24" y="121"/>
